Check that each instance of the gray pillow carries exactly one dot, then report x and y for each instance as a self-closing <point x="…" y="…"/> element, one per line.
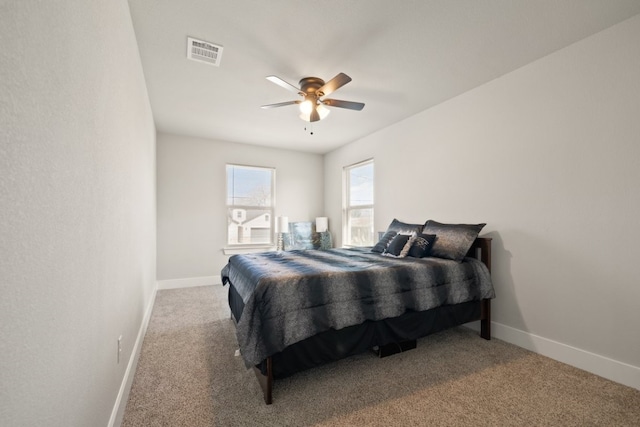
<point x="384" y="242"/>
<point x="453" y="241"/>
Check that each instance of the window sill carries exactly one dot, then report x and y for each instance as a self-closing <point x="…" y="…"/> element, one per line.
<point x="248" y="250"/>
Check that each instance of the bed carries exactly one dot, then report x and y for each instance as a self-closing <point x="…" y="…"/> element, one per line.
<point x="298" y="309"/>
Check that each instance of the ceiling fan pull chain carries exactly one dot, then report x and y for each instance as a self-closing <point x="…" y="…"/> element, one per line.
<point x="310" y="128"/>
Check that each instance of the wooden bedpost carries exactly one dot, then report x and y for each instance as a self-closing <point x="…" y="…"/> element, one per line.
<point x="266" y="381"/>
<point x="481" y="249"/>
<point x="485" y="319"/>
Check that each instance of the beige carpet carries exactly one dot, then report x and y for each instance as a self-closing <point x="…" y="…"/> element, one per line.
<point x="188" y="375"/>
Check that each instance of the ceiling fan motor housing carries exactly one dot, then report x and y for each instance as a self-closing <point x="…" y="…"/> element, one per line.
<point x="310" y="85"/>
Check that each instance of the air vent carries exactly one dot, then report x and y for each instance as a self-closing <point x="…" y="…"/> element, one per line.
<point x="202" y="51"/>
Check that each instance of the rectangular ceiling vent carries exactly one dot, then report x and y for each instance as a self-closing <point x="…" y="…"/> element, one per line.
<point x="202" y="51"/>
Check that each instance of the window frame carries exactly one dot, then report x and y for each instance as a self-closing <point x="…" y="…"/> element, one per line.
<point x="347" y="208"/>
<point x="270" y="208"/>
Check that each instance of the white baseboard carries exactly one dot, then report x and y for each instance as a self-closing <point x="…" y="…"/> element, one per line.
<point x="189" y="282"/>
<point x="117" y="414"/>
<point x="605" y="367"/>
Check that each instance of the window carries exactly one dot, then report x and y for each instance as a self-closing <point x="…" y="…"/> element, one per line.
<point x="250" y="201"/>
<point x="358" y="204"/>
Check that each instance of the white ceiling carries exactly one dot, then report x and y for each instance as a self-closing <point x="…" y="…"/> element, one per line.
<point x="404" y="57"/>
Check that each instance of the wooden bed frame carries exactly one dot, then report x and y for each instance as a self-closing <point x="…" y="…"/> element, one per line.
<point x="481" y="249"/>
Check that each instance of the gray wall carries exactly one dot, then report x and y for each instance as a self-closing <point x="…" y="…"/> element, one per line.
<point x="549" y="157"/>
<point x="77" y="223"/>
<point x="192" y="214"/>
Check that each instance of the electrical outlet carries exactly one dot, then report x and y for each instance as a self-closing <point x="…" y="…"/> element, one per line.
<point x="119" y="347"/>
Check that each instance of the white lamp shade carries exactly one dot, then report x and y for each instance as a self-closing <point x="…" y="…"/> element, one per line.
<point x="322" y="224"/>
<point x="282" y="224"/>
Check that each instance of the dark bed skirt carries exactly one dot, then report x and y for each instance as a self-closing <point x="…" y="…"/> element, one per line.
<point x="334" y="344"/>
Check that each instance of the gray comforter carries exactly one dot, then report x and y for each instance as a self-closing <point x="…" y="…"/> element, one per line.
<point x="291" y="296"/>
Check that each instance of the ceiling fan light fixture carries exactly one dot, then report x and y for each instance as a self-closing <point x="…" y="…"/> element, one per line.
<point x="321" y="109"/>
<point x="306" y="107"/>
<point x="312" y="89"/>
<point x="305" y="117"/>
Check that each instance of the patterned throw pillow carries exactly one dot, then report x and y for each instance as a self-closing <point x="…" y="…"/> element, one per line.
<point x="396" y="227"/>
<point x="400" y="246"/>
<point x="422" y="245"/>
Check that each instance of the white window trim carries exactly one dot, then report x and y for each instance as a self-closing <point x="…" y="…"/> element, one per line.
<point x="247" y="249"/>
<point x="346" y="197"/>
<point x="241" y="248"/>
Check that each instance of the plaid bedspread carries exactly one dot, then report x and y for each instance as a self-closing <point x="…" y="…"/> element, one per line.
<point x="293" y="295"/>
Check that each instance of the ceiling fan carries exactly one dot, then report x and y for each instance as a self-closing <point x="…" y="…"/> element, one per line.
<point x="313" y="89"/>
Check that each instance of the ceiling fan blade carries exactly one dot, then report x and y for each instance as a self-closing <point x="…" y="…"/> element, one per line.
<point x="334" y="84"/>
<point x="314" y="116"/>
<point x="343" y="104"/>
<point x="277" y="80"/>
<point x="280" y="104"/>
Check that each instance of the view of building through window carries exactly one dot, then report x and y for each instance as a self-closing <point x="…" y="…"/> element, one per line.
<point x="358" y="209"/>
<point x="250" y="192"/>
